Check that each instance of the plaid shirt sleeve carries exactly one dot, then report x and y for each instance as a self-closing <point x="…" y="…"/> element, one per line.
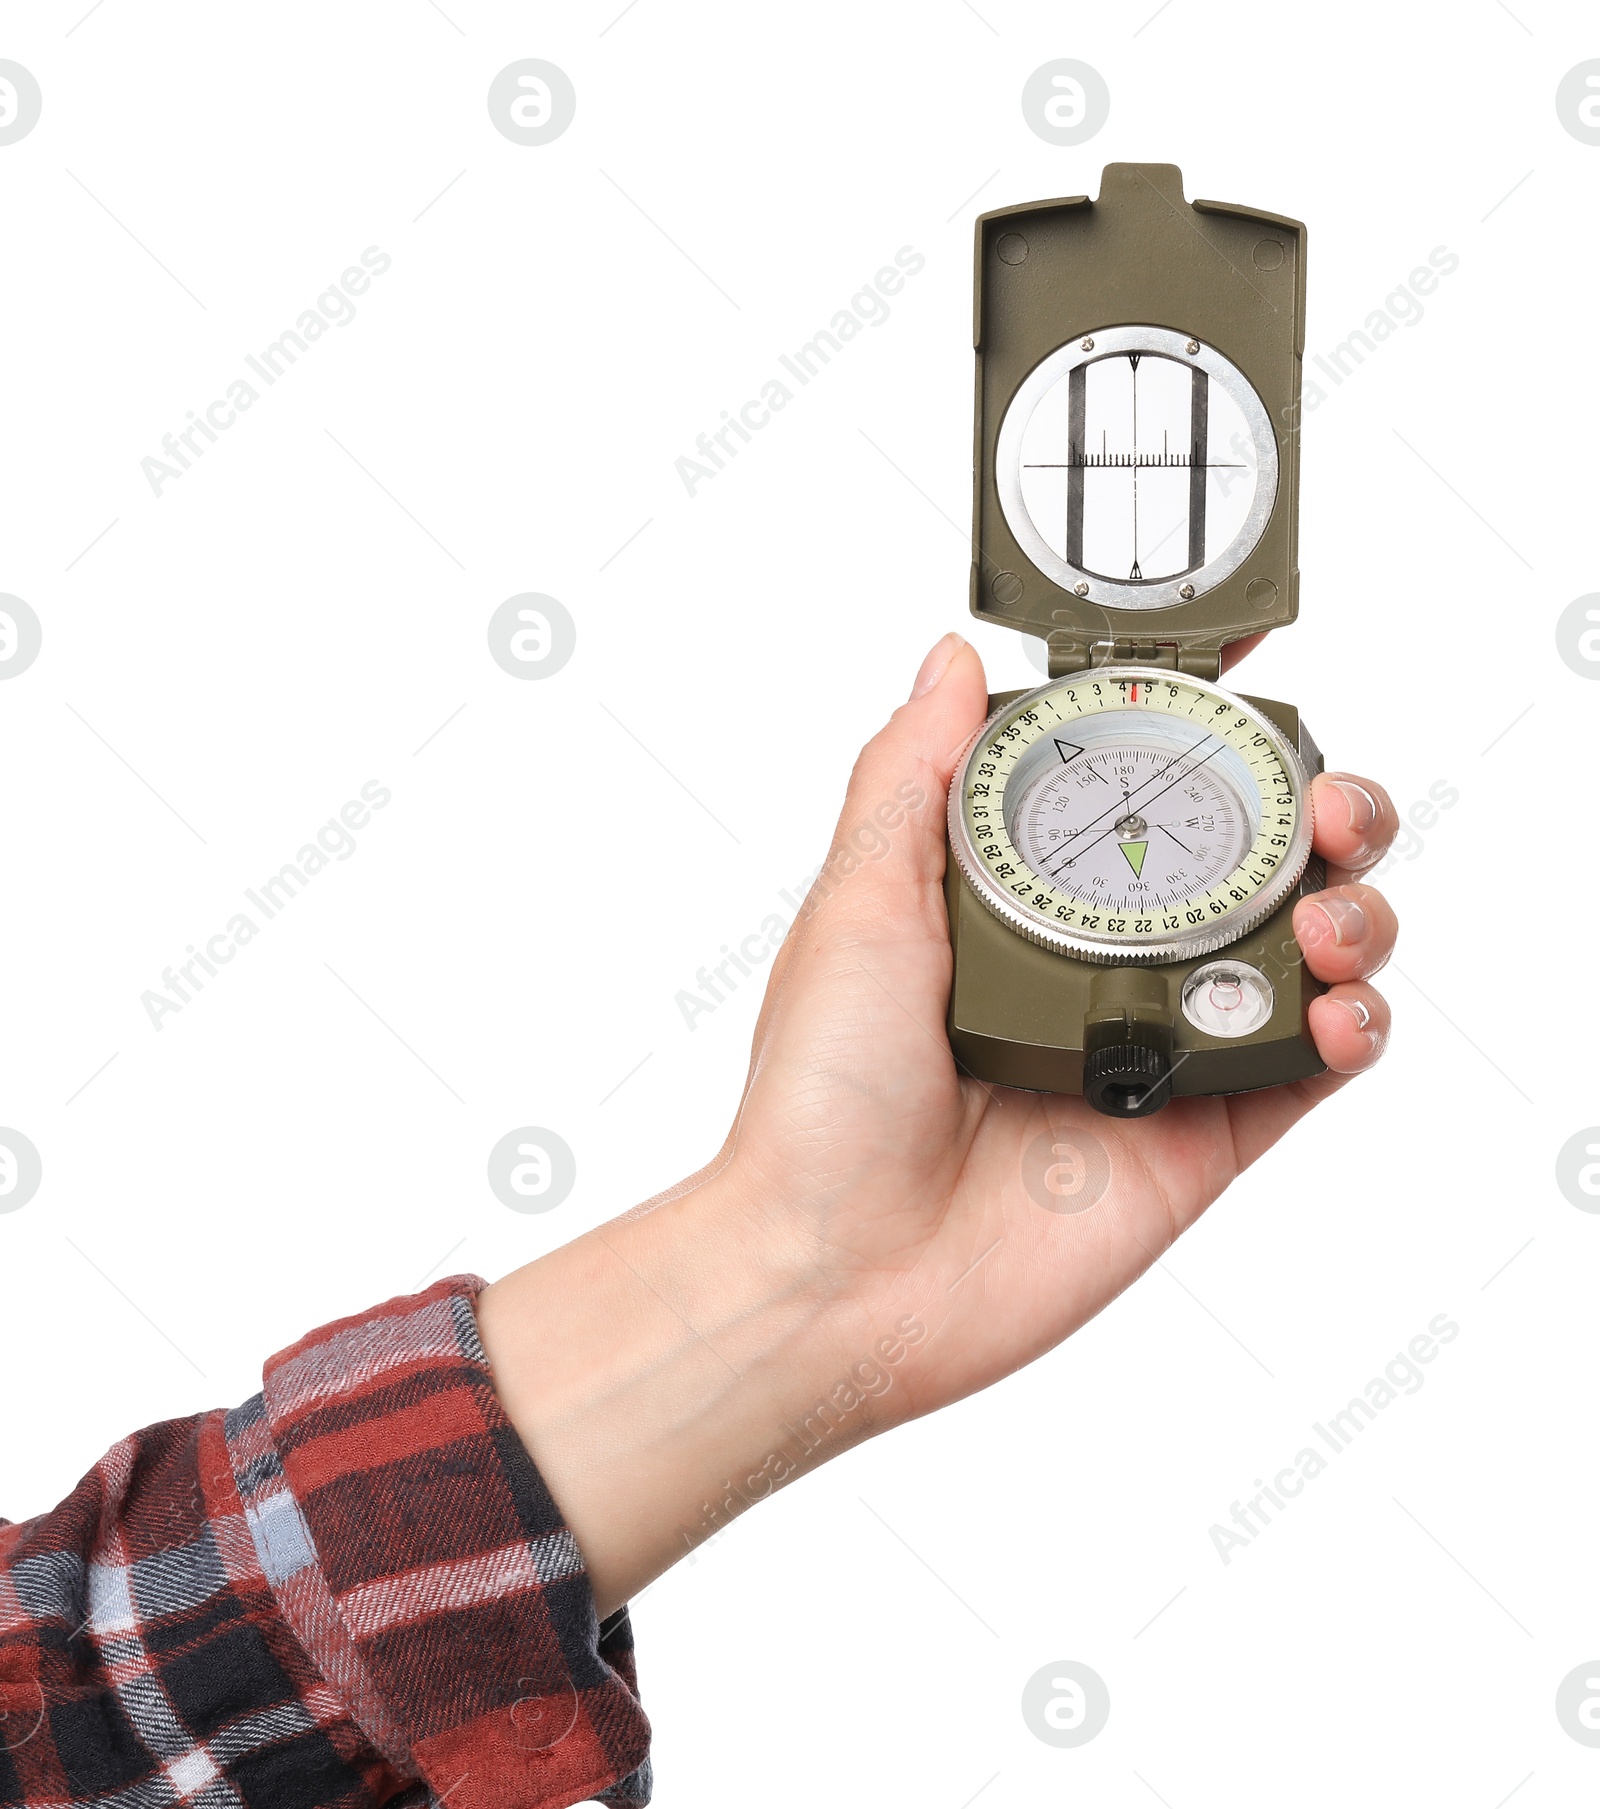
<point x="353" y="1590"/>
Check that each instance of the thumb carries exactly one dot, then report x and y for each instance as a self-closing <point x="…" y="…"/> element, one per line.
<point x="881" y="883"/>
<point x="948" y="702"/>
<point x="891" y="834"/>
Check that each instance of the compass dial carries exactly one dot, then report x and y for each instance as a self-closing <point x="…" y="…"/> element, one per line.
<point x="1131" y="814"/>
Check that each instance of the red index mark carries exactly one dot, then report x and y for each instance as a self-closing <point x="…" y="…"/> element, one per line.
<point x="1133" y="692"/>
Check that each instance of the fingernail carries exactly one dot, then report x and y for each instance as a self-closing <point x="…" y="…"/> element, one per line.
<point x="1363" y="807"/>
<point x="936" y="664"/>
<point x="1358" y="1012"/>
<point x="1345" y="920"/>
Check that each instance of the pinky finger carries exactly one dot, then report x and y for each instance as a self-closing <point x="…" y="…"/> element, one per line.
<point x="1351" y="1026"/>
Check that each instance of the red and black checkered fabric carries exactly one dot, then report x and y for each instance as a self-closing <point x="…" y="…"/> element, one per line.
<point x="354" y="1590"/>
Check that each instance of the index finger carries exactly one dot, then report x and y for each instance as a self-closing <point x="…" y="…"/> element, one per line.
<point x="1234" y="651"/>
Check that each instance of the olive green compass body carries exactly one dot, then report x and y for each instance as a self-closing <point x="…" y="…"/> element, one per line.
<point x="1129" y="839"/>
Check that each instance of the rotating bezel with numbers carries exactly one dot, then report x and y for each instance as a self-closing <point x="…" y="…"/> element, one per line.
<point x="1131" y="814"/>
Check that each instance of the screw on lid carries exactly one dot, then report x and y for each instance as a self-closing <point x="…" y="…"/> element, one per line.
<point x="1126" y="1080"/>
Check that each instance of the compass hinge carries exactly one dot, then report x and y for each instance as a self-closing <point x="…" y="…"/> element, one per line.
<point x="1068" y="656"/>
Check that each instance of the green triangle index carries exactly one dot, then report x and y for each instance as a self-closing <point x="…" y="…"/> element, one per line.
<point x="1135" y="853"/>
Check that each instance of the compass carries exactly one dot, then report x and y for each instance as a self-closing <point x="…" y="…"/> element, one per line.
<point x="1131" y="815"/>
<point x="1129" y="839"/>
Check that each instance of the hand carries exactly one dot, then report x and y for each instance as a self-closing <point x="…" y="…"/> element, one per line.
<point x="868" y="1186"/>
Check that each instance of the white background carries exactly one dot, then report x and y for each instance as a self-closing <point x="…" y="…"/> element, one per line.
<point x="558" y="326"/>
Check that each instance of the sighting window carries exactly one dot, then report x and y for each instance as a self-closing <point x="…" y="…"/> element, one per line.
<point x="1135" y="466"/>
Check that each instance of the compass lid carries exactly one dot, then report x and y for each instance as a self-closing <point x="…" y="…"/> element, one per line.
<point x="1137" y="423"/>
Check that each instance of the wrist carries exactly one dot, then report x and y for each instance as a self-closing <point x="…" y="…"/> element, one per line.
<point x="673" y="1367"/>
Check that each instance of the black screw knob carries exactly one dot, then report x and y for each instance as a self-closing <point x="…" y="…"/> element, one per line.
<point x="1127" y="1080"/>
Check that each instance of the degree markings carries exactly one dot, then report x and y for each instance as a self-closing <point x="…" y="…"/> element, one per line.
<point x="1239" y="732"/>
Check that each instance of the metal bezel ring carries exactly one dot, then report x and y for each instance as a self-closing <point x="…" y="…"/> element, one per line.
<point x="1178" y="945"/>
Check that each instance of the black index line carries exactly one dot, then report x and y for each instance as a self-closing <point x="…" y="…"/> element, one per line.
<point x="1076" y="417"/>
<point x="1199" y="430"/>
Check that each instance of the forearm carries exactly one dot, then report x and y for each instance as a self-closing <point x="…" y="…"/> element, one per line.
<point x="665" y="1372"/>
<point x="352" y="1588"/>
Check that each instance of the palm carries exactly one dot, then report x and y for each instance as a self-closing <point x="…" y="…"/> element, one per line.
<point x="924" y="1191"/>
